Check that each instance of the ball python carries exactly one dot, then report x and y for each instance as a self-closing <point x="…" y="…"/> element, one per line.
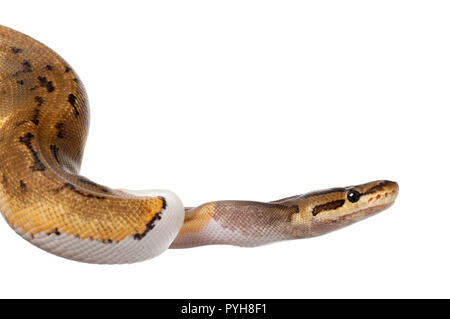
<point x="44" y="119"/>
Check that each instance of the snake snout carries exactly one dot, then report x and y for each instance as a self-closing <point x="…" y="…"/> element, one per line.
<point x="381" y="191"/>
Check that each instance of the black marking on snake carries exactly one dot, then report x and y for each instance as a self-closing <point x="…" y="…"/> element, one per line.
<point x="35" y="119"/>
<point x="4" y="181"/>
<point x="16" y="50"/>
<point x="39" y="100"/>
<point x="323" y="192"/>
<point x="21" y="123"/>
<point x="26" y="67"/>
<point x="56" y="232"/>
<point x="60" y="127"/>
<point x="72" y="187"/>
<point x="22" y="185"/>
<point x="49" y="67"/>
<point x="43" y="82"/>
<point x="164" y="202"/>
<point x="72" y="99"/>
<point x="68" y="69"/>
<point x="20" y="82"/>
<point x="76" y="80"/>
<point x="38" y="165"/>
<point x="151" y="224"/>
<point x="328" y="206"/>
<point x="375" y="188"/>
<point x="55" y="150"/>
<point x="88" y="182"/>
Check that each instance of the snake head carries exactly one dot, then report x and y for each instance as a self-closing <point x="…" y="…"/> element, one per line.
<point x="331" y="209"/>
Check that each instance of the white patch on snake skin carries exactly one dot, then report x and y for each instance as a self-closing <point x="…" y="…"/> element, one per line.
<point x="215" y="234"/>
<point x="128" y="250"/>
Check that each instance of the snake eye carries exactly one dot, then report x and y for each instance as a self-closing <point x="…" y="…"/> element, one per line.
<point x="353" y="196"/>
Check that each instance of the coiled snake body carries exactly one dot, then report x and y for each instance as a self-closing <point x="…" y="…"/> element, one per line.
<point x="43" y="127"/>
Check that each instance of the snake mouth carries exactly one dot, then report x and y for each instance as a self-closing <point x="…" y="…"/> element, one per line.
<point x="323" y="227"/>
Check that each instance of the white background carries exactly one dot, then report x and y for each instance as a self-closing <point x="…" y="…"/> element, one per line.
<point x="257" y="100"/>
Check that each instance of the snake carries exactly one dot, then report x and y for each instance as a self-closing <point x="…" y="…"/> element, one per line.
<point x="44" y="120"/>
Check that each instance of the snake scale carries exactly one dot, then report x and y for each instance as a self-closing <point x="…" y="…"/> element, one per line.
<point x="44" y="119"/>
